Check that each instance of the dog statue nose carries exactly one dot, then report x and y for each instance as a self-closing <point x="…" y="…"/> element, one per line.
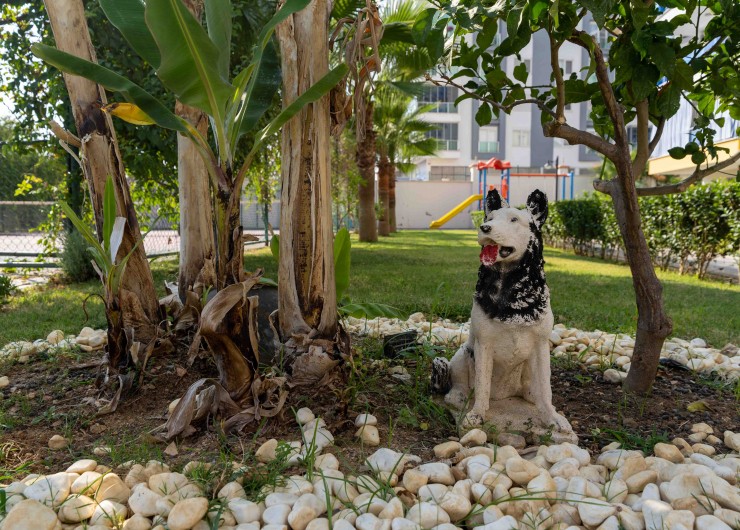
<point x="485" y="228"/>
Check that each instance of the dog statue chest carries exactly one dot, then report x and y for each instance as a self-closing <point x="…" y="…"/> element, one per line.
<point x="505" y="339"/>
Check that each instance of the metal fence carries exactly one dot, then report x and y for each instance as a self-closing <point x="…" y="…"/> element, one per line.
<point x="23" y="244"/>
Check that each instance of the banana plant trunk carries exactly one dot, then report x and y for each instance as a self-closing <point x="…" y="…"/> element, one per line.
<point x="229" y="234"/>
<point x="392" y="200"/>
<point x="101" y="157"/>
<point x="384" y="175"/>
<point x="365" y="156"/>
<point x="197" y="246"/>
<point x="307" y="294"/>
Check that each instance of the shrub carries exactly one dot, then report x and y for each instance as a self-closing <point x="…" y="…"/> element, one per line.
<point x="6" y="288"/>
<point x="75" y="258"/>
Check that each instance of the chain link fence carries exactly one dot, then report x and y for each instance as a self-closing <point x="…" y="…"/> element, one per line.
<point x="23" y="244"/>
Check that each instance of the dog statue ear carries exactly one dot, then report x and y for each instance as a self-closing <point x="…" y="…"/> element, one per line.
<point x="537" y="206"/>
<point x="493" y="202"/>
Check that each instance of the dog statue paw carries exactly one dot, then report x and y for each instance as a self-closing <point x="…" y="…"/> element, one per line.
<point x="506" y="361"/>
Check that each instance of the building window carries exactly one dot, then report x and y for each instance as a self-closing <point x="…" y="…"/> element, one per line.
<point x="449" y="173"/>
<point x="488" y="139"/>
<point x="443" y="97"/>
<point x="632" y="134"/>
<point x="566" y="66"/>
<point x="520" y="138"/>
<point x="446" y="135"/>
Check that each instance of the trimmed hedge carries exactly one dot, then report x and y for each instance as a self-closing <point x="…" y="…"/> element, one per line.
<point x="703" y="222"/>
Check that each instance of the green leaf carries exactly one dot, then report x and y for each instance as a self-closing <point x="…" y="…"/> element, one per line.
<point x="267" y="83"/>
<point x="520" y="72"/>
<point x="128" y="17"/>
<point x="640" y="13"/>
<point x="577" y="91"/>
<point x="396" y="32"/>
<point x="132" y="92"/>
<point x="275" y="247"/>
<point x="342" y="247"/>
<point x="664" y="57"/>
<point x="485" y="36"/>
<point x="555" y="13"/>
<point x="109" y="211"/>
<point x="483" y="116"/>
<point x="683" y="75"/>
<point x="189" y="64"/>
<point x="317" y="90"/>
<point x="644" y="81"/>
<point x="669" y="100"/>
<point x="218" y="22"/>
<point x="423" y="25"/>
<point x="369" y="310"/>
<point x="496" y="78"/>
<point x="538" y="7"/>
<point x="599" y="9"/>
<point x="677" y="152"/>
<point x="96" y="249"/>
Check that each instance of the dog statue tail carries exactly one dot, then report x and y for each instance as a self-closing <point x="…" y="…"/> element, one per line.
<point x="441" y="376"/>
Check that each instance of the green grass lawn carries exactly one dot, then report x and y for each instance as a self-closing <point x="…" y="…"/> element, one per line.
<point x="435" y="272"/>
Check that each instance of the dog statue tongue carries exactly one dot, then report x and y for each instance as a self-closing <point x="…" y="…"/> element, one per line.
<point x="488" y="255"/>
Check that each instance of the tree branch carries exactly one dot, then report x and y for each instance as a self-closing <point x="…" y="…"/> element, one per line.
<point x="696" y="176"/>
<point x="554" y="129"/>
<point x="656" y="137"/>
<point x="505" y="108"/>
<point x="558" y="74"/>
<point x="643" y="137"/>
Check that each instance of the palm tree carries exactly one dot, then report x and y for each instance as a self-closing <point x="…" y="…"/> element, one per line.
<point x="400" y="135"/>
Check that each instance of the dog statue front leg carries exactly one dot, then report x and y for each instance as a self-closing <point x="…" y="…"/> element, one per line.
<point x="540" y="391"/>
<point x="483" y="371"/>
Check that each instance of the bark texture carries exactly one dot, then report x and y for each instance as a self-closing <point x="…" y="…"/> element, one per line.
<point x="392" y="200"/>
<point x="197" y="246"/>
<point x="307" y="294"/>
<point x="100" y="157"/>
<point x="384" y="175"/>
<point x="365" y="157"/>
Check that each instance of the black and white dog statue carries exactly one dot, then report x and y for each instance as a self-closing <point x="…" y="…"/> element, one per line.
<point x="506" y="360"/>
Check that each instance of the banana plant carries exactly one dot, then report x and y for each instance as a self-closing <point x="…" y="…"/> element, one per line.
<point x="192" y="62"/>
<point x="109" y="267"/>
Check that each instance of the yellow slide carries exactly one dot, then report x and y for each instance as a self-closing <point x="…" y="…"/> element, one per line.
<point x="456" y="210"/>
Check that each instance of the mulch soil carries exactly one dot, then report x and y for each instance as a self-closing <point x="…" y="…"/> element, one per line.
<point x="56" y="396"/>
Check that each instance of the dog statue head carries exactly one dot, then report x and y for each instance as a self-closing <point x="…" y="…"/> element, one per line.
<point x="507" y="233"/>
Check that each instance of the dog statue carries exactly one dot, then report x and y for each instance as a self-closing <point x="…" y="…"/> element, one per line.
<point x="506" y="360"/>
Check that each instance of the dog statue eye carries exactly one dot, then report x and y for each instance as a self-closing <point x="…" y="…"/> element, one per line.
<point x="513" y="219"/>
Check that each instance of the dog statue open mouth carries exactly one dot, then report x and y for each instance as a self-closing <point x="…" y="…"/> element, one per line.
<point x="505" y="365"/>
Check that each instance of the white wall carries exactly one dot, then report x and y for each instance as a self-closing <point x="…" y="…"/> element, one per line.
<point x="419" y="203"/>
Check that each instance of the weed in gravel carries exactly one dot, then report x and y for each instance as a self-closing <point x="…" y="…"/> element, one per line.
<point x="630" y="440"/>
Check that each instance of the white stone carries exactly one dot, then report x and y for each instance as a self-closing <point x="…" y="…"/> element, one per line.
<point x="167" y="483"/>
<point x="4" y="381"/>
<point x="710" y="522"/>
<point x="111" y="487"/>
<point x="304" y="415"/>
<point x="476" y="466"/>
<point x="81" y="466"/>
<point x="232" y="490"/>
<point x="186" y="513"/>
<point x="266" y="452"/>
<point x="655" y="513"/>
<point x="76" y="508"/>
<point x="437" y="472"/>
<point x="57" y="442"/>
<point x="456" y="506"/>
<point x="245" y="511"/>
<point x="365" y="419"/>
<point x="505" y="523"/>
<point x="51" y="490"/>
<point x="474" y="437"/>
<point x="299" y="517"/>
<point x="109" y="513"/>
<point x="389" y="460"/>
<point x="319" y="524"/>
<point x="137" y="522"/>
<point x="143" y="501"/>
<point x="427" y="515"/>
<point x="277" y="514"/>
<point x="31" y="515"/>
<point x="593" y="512"/>
<point x="447" y="449"/>
<point x="368" y="435"/>
<point x="413" y="480"/>
<point x="521" y="471"/>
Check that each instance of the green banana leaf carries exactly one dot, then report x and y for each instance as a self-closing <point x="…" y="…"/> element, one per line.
<point x="109" y="212"/>
<point x="218" y="22"/>
<point x="342" y="247"/>
<point x="189" y="63"/>
<point x="317" y="90"/>
<point x="130" y="91"/>
<point x="369" y="310"/>
<point x="128" y="17"/>
<point x="263" y="80"/>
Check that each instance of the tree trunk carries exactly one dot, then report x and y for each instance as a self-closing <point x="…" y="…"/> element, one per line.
<point x="365" y="157"/>
<point x="229" y="236"/>
<point x="384" y="175"/>
<point x="653" y="325"/>
<point x="392" y="199"/>
<point x="307" y="294"/>
<point x="197" y="269"/>
<point x="101" y="158"/>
